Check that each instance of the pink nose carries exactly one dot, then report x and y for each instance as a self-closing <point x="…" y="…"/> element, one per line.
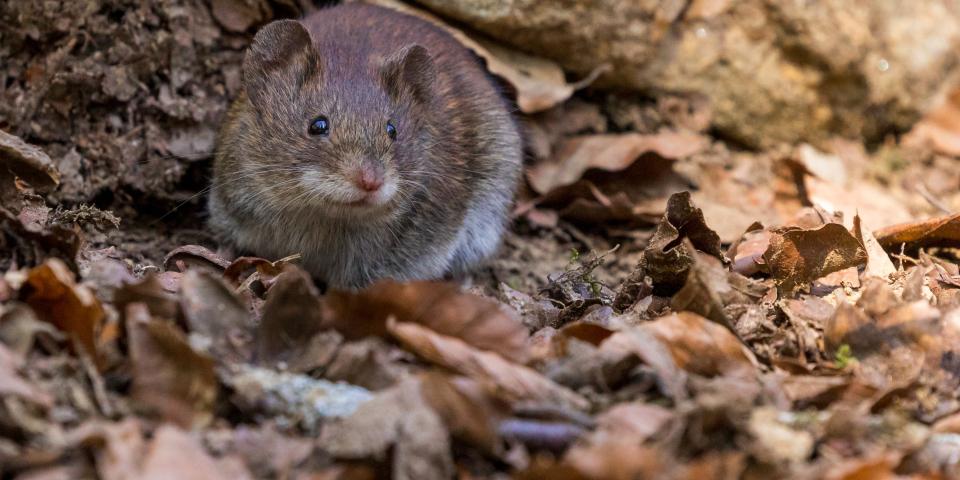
<point x="369" y="179"/>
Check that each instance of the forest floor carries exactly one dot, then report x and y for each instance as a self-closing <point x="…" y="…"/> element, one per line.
<point x="668" y="303"/>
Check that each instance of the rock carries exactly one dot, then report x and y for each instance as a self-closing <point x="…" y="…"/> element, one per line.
<point x="774" y="70"/>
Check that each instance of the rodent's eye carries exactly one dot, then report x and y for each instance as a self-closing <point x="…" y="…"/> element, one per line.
<point x="319" y="126"/>
<point x="391" y="131"/>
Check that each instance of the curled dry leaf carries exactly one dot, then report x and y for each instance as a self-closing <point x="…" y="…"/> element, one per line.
<point x="799" y="256"/>
<point x="642" y="344"/>
<point x="540" y="83"/>
<point x="181" y="258"/>
<point x="667" y="258"/>
<point x="442" y="307"/>
<point x="511" y="381"/>
<point x="169" y="377"/>
<point x="240" y="15"/>
<point x="53" y="294"/>
<point x="941" y="231"/>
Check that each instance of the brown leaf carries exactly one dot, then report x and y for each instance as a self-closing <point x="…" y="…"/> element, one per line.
<point x="468" y="411"/>
<point x="941" y="231"/>
<point x="539" y="83"/>
<point x="607" y="152"/>
<point x="26" y="162"/>
<point x="151" y="292"/>
<point x="644" y="345"/>
<point x="400" y="418"/>
<point x="181" y="258"/>
<point x="51" y="291"/>
<point x="702" y="347"/>
<point x="442" y="307"/>
<point x="169" y="377"/>
<point x="878" y="262"/>
<point x="666" y="259"/>
<point x="292" y="316"/>
<point x="798" y="256"/>
<point x="212" y="310"/>
<point x="514" y="382"/>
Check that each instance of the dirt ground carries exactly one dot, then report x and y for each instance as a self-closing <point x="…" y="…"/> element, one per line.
<point x="675" y="298"/>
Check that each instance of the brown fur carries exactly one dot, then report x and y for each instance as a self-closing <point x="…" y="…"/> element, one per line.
<point x="455" y="161"/>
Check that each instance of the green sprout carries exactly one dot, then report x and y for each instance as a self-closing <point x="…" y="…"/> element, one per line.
<point x="844" y="356"/>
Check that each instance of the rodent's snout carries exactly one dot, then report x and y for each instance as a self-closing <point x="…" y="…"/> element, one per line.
<point x="368" y="177"/>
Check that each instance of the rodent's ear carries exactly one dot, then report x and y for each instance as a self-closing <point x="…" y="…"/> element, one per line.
<point x="279" y="61"/>
<point x="409" y="71"/>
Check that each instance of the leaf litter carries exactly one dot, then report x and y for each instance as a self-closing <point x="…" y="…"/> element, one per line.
<point x="667" y="304"/>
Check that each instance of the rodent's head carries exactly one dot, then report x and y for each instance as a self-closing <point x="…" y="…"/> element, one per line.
<point x="341" y="136"/>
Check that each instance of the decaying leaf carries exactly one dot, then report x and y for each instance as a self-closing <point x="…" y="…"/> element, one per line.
<point x="702" y="347"/>
<point x="941" y="231"/>
<point x="667" y="258"/>
<point x="12" y="384"/>
<point x="514" y="382"/>
<point x="441" y="307"/>
<point x="213" y="311"/>
<point x="292" y="317"/>
<point x="181" y="258"/>
<point x="169" y="377"/>
<point x="798" y="256"/>
<point x="56" y="298"/>
<point x="26" y="162"/>
<point x="609" y="152"/>
<point x="398" y="418"/>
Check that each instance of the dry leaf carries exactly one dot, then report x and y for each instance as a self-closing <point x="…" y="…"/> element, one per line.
<point x="169" y="377"/>
<point x="26" y="162"/>
<point x="608" y="152"/>
<point x="442" y="307"/>
<point x="292" y="317"/>
<point x="52" y="292"/>
<point x="798" y="256"/>
<point x="399" y="418"/>
<point x="702" y="347"/>
<point x="212" y="310"/>
<point x="511" y="381"/>
<point x="941" y="231"/>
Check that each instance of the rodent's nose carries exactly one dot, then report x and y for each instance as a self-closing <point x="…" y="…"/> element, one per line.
<point x="368" y="178"/>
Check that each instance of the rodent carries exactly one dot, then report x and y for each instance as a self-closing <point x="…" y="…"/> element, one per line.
<point x="369" y="141"/>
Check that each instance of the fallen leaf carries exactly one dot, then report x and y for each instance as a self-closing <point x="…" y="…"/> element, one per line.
<point x="53" y="294"/>
<point x="467" y="410"/>
<point x="514" y="382"/>
<point x="878" y="262"/>
<point x="798" y="256"/>
<point x="480" y="322"/>
<point x="213" y="311"/>
<point x="169" y="377"/>
<point x="702" y="347"/>
<point x="941" y="231"/>
<point x="291" y="317"/>
<point x="667" y="259"/>
<point x="182" y="258"/>
<point x="27" y="162"/>
<point x="399" y="418"/>
<point x="608" y="152"/>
